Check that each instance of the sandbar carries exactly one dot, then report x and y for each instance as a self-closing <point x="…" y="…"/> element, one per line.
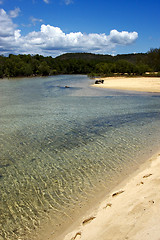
<point x="131" y="211"/>
<point x="141" y="84"/>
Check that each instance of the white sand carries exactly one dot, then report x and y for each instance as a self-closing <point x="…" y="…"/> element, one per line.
<point x="133" y="213"/>
<point x="142" y="84"/>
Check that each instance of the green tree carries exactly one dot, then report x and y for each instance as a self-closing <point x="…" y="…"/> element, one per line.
<point x="44" y="69"/>
<point x="141" y="69"/>
<point x="104" y="68"/>
<point x="1" y="72"/>
<point x="27" y="70"/>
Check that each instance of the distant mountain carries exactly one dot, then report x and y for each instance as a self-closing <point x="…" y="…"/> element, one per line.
<point x="133" y="58"/>
<point x="85" y="56"/>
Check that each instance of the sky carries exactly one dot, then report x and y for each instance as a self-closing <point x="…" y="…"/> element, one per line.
<point x="55" y="27"/>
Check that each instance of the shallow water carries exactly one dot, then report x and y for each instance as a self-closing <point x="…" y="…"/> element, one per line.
<point x="60" y="147"/>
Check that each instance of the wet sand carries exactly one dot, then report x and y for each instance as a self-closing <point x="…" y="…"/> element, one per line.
<point x="142" y="84"/>
<point x="131" y="211"/>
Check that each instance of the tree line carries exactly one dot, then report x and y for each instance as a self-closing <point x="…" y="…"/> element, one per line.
<point x="80" y="63"/>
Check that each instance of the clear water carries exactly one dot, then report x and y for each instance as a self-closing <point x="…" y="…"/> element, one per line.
<point x="61" y="147"/>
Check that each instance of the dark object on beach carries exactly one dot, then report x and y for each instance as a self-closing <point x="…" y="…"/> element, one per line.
<point x="77" y="234"/>
<point x="108" y="205"/>
<point x="116" y="193"/>
<point x="99" y="81"/>
<point x="66" y="87"/>
<point x="147" y="175"/>
<point x="88" y="220"/>
<point x="140" y="183"/>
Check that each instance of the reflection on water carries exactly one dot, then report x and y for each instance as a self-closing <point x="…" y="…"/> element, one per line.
<point x="61" y="146"/>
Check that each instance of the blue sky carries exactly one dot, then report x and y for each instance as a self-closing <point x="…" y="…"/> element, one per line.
<point x="54" y="27"/>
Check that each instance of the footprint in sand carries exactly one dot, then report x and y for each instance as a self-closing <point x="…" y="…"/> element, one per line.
<point x="88" y="220"/>
<point x="140" y="183"/>
<point x="117" y="193"/>
<point x="77" y="236"/>
<point x="147" y="175"/>
<point x="108" y="205"/>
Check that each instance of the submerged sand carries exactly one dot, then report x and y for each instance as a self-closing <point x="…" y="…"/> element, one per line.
<point x="142" y="84"/>
<point x="131" y="211"/>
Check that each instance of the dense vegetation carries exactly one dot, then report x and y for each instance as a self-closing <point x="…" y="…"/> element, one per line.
<point x="80" y="63"/>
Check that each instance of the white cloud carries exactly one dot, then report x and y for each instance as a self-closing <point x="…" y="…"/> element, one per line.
<point x="35" y="20"/>
<point x="52" y="40"/>
<point x="6" y="25"/>
<point x="46" y="1"/>
<point x="67" y="2"/>
<point x="1" y="2"/>
<point x="14" y="13"/>
<point x="122" y="37"/>
<point x="8" y="33"/>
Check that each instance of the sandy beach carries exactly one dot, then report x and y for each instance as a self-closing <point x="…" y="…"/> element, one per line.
<point x="131" y="211"/>
<point x="142" y="84"/>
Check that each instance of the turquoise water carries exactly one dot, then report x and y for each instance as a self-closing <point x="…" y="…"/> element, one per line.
<point x="61" y="147"/>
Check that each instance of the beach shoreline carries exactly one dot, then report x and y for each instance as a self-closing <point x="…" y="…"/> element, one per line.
<point x="129" y="211"/>
<point x="140" y="84"/>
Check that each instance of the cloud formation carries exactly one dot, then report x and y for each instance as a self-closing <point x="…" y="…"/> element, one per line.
<point x="68" y="2"/>
<point x="53" y="41"/>
<point x="14" y="13"/>
<point x="7" y="27"/>
<point x="35" y="20"/>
